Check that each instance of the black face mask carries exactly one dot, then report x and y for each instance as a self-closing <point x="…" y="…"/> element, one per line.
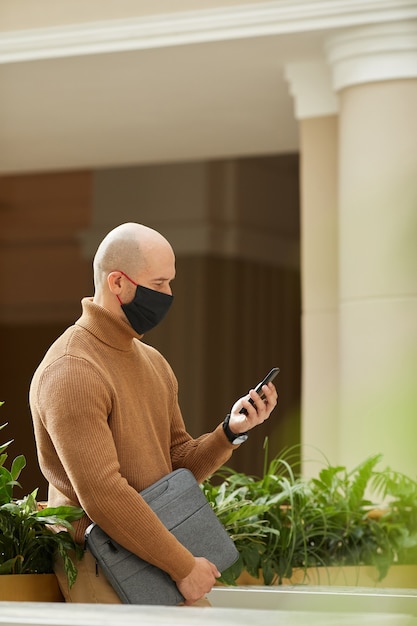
<point x="147" y="309"/>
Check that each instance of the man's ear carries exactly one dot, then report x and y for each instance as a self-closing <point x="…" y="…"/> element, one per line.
<point x="114" y="281"/>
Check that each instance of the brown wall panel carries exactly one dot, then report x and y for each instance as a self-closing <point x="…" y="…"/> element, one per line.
<point x="43" y="276"/>
<point x="232" y="320"/>
<point x="42" y="271"/>
<point x="22" y="348"/>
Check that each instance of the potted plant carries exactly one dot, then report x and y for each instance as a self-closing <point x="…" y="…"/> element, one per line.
<point x="31" y="535"/>
<point x="283" y="524"/>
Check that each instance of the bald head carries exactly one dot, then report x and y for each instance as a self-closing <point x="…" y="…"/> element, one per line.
<point x="129" y="248"/>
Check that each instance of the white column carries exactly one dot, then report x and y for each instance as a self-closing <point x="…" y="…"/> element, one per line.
<point x="316" y="110"/>
<point x="375" y="74"/>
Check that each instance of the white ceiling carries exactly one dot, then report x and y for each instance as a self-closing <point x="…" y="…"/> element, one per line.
<point x="177" y="103"/>
<point x="208" y="97"/>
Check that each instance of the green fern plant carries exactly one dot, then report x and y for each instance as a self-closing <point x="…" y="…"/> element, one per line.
<point x="281" y="521"/>
<point x="31" y="537"/>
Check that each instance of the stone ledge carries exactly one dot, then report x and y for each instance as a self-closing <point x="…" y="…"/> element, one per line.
<point x="56" y="614"/>
<point x="358" y="600"/>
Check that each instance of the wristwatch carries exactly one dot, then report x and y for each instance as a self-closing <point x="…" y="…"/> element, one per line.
<point x="235" y="439"/>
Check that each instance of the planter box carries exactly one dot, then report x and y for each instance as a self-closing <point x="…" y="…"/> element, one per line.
<point x="29" y="588"/>
<point x="398" y="577"/>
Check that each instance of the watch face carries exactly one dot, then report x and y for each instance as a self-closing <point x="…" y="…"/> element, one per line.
<point x="240" y="439"/>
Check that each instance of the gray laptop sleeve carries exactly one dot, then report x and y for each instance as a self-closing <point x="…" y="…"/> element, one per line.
<point x="182" y="507"/>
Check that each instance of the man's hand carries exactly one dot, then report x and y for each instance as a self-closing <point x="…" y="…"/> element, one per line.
<point x="258" y="412"/>
<point x="199" y="581"/>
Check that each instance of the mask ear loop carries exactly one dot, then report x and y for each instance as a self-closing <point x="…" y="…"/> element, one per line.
<point x="128" y="278"/>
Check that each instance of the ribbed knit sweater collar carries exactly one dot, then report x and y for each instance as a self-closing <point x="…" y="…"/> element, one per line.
<point x="105" y="326"/>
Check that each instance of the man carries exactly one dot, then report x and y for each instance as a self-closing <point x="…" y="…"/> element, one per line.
<point x="107" y="421"/>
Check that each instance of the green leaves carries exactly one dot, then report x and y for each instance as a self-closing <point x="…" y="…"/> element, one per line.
<point x="29" y="542"/>
<point x="18" y="464"/>
<point x="8" y="479"/>
<point x="61" y="515"/>
<point x="281" y="521"/>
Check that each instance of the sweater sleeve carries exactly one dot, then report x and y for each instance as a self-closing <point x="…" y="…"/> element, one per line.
<point x="71" y="405"/>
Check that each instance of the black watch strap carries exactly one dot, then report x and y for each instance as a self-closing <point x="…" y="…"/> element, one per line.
<point x="235" y="439"/>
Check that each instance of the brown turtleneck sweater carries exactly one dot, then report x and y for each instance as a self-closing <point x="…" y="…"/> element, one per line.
<point x="107" y="424"/>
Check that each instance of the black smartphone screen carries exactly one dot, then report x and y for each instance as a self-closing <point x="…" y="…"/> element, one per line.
<point x="268" y="378"/>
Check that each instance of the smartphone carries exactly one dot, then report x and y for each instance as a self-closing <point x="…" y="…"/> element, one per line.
<point x="259" y="386"/>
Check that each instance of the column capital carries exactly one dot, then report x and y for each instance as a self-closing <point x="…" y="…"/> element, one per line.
<point x="373" y="53"/>
<point x="310" y="83"/>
